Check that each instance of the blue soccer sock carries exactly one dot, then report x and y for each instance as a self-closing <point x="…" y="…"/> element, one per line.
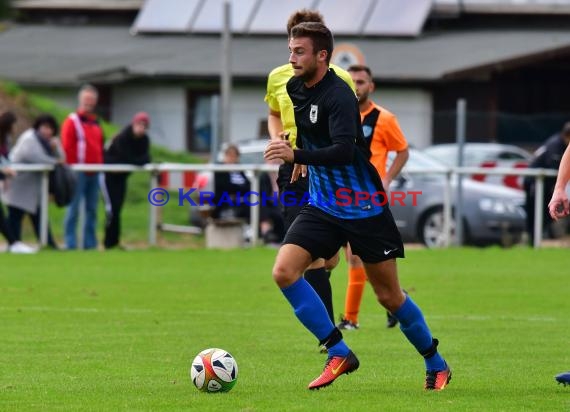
<point x="414" y="326"/>
<point x="310" y="310"/>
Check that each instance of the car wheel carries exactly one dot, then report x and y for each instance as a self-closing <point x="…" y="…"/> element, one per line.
<point x="431" y="231"/>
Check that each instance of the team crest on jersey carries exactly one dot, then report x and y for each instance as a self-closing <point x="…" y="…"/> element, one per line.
<point x="314" y="113"/>
<point x="367" y="131"/>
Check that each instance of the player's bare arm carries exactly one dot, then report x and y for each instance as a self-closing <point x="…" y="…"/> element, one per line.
<point x="275" y="125"/>
<point x="559" y="206"/>
<point x="396" y="167"/>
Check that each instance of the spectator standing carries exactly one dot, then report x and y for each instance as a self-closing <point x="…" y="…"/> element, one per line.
<point x="130" y="146"/>
<point x="38" y="145"/>
<point x="7" y="122"/>
<point x="82" y="139"/>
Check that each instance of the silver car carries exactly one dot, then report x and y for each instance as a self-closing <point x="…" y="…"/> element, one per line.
<point x="492" y="214"/>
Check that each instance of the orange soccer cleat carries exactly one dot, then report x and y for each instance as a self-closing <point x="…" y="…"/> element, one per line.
<point x="335" y="366"/>
<point x="437" y="380"/>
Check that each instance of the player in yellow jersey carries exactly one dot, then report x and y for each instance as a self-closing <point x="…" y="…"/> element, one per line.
<point x="281" y="124"/>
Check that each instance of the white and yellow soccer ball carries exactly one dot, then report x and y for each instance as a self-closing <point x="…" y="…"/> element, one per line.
<point x="214" y="370"/>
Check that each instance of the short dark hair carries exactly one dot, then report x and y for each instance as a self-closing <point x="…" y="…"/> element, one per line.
<point x="304" y="16"/>
<point x="360" y="68"/>
<point x="46" y="119"/>
<point x="319" y="34"/>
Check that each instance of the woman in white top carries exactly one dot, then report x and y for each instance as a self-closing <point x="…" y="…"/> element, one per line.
<point x="37" y="145"/>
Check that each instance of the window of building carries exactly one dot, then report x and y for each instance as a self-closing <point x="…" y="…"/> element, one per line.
<point x="202" y="121"/>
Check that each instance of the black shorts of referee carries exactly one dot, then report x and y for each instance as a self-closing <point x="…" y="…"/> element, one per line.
<point x="374" y="239"/>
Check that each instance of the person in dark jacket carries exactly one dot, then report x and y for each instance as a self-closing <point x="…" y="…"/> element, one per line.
<point x="547" y="156"/>
<point x="130" y="146"/>
<point x="229" y="189"/>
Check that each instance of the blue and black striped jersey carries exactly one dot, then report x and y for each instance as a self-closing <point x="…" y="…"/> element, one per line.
<point x="342" y="181"/>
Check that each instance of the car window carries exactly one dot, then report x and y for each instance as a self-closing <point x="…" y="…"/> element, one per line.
<point x="510" y="156"/>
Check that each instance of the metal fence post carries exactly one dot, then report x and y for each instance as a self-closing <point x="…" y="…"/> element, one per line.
<point x="254" y="210"/>
<point x="538" y="209"/>
<point x="460" y="135"/>
<point x="44" y="208"/>
<point x="447" y="209"/>
<point x="153" y="211"/>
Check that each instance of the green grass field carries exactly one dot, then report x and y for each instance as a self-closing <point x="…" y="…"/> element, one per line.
<point x="117" y="331"/>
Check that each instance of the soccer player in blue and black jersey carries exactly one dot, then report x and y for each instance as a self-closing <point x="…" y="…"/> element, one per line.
<point x="343" y="206"/>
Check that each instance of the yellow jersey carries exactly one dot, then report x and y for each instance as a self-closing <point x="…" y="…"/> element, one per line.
<point x="279" y="101"/>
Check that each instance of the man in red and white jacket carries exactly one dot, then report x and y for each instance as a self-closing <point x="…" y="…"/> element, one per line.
<point x="82" y="140"/>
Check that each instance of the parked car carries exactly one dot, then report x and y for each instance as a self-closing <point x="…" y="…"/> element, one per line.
<point x="485" y="155"/>
<point x="492" y="214"/>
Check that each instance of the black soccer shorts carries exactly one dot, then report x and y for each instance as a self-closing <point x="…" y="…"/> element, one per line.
<point x="374" y="239"/>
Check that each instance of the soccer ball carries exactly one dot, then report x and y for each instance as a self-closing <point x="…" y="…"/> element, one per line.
<point x="214" y="370"/>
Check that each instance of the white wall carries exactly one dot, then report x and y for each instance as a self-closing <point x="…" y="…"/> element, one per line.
<point x="166" y="106"/>
<point x="413" y="107"/>
<point x="247" y="109"/>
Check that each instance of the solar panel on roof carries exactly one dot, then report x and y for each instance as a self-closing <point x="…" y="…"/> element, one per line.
<point x="397" y="17"/>
<point x="166" y="16"/>
<point x="272" y="15"/>
<point x="345" y="17"/>
<point x="210" y="16"/>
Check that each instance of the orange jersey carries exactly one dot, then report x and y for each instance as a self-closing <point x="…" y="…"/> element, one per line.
<point x="383" y="134"/>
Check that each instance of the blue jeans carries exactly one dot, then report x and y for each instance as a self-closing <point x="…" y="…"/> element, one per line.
<point x="87" y="189"/>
